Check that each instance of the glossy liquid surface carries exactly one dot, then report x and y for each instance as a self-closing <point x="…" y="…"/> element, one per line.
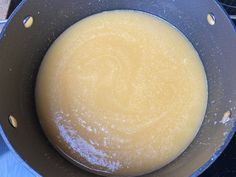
<point x="121" y="93"/>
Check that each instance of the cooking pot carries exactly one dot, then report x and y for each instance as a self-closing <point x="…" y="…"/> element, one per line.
<point x="34" y="25"/>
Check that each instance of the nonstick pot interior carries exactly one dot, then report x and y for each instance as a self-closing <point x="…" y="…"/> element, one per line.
<point x="22" y="50"/>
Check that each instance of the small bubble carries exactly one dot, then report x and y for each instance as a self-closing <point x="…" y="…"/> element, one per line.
<point x="226" y="133"/>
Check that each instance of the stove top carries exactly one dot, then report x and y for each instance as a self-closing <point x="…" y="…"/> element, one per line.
<point x="224" y="166"/>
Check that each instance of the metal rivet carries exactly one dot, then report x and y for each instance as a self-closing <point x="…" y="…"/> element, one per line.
<point x="211" y="19"/>
<point x="13" y="121"/>
<point x="28" y="22"/>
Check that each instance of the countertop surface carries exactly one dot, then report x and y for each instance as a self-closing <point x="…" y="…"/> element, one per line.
<point x="4" y="4"/>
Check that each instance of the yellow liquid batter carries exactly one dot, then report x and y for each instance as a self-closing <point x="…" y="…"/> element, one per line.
<point x="121" y="93"/>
